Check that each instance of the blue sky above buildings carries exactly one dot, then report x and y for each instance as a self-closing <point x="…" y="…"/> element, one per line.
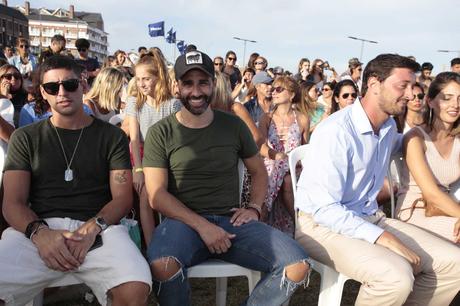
<point x="285" y="31"/>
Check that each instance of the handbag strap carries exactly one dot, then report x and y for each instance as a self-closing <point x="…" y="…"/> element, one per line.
<point x="412" y="208"/>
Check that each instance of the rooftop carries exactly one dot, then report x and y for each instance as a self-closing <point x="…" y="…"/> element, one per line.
<point x="61" y="15"/>
<point x="9" y="11"/>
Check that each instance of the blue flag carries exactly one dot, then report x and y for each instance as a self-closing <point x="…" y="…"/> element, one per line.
<point x="181" y="46"/>
<point x="171" y="37"/>
<point x="157" y="29"/>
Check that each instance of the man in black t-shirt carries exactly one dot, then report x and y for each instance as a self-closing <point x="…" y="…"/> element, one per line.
<point x="67" y="184"/>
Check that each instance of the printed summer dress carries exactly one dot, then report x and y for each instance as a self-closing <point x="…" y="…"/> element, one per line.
<point x="281" y="141"/>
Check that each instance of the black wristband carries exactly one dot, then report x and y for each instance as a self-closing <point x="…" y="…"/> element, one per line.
<point x="32" y="226"/>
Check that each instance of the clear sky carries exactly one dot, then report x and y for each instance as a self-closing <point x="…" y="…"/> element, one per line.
<point x="285" y="30"/>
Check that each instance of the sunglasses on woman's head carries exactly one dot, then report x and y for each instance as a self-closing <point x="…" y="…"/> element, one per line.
<point x="52" y="88"/>
<point x="10" y="76"/>
<point x="346" y="95"/>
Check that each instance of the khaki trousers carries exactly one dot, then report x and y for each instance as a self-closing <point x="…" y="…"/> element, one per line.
<point x="386" y="277"/>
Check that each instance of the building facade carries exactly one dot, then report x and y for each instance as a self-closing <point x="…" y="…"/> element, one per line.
<point x="45" y="23"/>
<point x="13" y="24"/>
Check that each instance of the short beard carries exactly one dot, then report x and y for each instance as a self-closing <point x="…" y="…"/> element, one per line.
<point x="196" y="111"/>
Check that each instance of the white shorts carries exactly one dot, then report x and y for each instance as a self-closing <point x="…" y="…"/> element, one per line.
<point x="23" y="274"/>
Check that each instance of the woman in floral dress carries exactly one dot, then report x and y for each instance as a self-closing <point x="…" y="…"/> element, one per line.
<point x="284" y="129"/>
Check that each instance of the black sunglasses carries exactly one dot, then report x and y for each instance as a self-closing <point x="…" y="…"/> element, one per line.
<point x="259" y="63"/>
<point x="231" y="58"/>
<point x="346" y="95"/>
<point x="82" y="49"/>
<point x="52" y="88"/>
<point x="10" y="76"/>
<point x="218" y="64"/>
<point x="24" y="46"/>
<point x="420" y="96"/>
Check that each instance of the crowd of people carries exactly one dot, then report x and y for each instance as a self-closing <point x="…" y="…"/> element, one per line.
<point x="83" y="142"/>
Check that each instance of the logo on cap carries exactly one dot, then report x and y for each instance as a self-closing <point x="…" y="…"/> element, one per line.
<point x="193" y="57"/>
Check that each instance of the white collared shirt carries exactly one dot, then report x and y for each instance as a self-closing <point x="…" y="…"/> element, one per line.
<point x="344" y="172"/>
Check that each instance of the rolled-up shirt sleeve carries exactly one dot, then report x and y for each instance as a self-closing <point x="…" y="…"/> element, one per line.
<point x="327" y="174"/>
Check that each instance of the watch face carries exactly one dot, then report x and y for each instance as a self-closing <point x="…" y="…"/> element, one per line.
<point x="101" y="223"/>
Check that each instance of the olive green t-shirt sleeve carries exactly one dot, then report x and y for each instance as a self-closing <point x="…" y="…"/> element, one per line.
<point x="155" y="148"/>
<point x="248" y="145"/>
<point x="18" y="157"/>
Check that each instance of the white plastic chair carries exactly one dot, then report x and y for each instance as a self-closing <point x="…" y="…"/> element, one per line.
<point x="331" y="287"/>
<point x="210" y="268"/>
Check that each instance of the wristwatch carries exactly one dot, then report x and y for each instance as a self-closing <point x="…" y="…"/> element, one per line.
<point x="101" y="223"/>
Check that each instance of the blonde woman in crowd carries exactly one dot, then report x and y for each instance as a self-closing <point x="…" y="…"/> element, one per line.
<point x="222" y="100"/>
<point x="152" y="103"/>
<point x="432" y="156"/>
<point x="284" y="129"/>
<point x="104" y="98"/>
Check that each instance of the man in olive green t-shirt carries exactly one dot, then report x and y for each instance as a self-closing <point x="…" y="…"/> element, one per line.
<point x="190" y="167"/>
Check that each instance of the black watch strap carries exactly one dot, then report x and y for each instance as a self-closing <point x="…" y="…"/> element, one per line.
<point x="32" y="227"/>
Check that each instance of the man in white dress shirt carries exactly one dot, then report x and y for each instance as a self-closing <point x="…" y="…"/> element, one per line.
<point x="340" y="223"/>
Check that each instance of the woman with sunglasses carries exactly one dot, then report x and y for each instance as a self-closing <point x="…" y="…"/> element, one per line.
<point x="309" y="105"/>
<point x="432" y="157"/>
<point x="284" y="129"/>
<point x="11" y="87"/>
<point x="260" y="64"/>
<point x="415" y="111"/>
<point x="218" y="64"/>
<point x="326" y="96"/>
<point x="152" y="103"/>
<point x="104" y="98"/>
<point x="39" y="109"/>
<point x="231" y="70"/>
<point x="345" y="93"/>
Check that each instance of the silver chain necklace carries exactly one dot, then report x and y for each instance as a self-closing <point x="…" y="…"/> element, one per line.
<point x="68" y="173"/>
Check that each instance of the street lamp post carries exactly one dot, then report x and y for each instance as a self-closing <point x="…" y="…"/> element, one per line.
<point x="362" y="44"/>
<point x="450" y="51"/>
<point x="244" y="41"/>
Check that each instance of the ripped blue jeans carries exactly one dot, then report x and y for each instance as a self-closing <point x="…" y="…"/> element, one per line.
<point x="256" y="246"/>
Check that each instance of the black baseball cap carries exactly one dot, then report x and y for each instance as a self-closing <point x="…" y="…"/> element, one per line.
<point x="193" y="60"/>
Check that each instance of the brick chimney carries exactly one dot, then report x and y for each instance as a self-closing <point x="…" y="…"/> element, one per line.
<point x="27" y="8"/>
<point x="71" y="12"/>
<point x="5" y="2"/>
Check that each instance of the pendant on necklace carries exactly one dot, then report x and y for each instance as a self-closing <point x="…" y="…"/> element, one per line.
<point x="68" y="175"/>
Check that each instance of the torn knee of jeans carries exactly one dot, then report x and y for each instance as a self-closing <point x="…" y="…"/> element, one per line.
<point x="162" y="272"/>
<point x="292" y="285"/>
<point x="166" y="268"/>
